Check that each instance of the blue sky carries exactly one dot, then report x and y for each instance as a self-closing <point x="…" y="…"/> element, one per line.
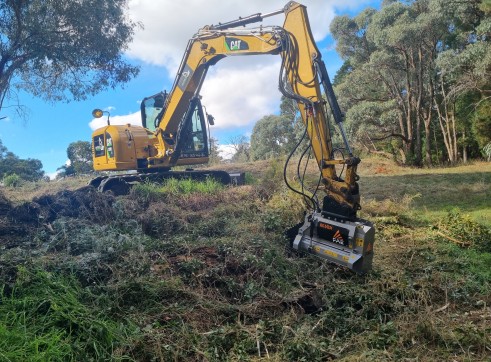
<point x="158" y="49"/>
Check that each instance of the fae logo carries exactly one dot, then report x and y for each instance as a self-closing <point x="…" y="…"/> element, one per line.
<point x="338" y="238"/>
<point x="234" y="44"/>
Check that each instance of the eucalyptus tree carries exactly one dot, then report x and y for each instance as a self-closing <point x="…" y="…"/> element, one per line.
<point x="388" y="90"/>
<point x="411" y="70"/>
<point x="464" y="76"/>
<point x="272" y="136"/>
<point x="59" y="50"/>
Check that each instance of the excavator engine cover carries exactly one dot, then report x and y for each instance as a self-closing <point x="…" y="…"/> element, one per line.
<point x="346" y="243"/>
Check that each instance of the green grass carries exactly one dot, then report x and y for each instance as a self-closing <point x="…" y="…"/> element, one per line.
<point x="438" y="191"/>
<point x="49" y="317"/>
<point x="172" y="187"/>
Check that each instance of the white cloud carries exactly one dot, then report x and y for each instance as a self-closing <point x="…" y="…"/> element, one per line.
<point x="238" y="97"/>
<point x="53" y="175"/>
<point x="226" y="151"/>
<point x="169" y="24"/>
<point x="133" y="118"/>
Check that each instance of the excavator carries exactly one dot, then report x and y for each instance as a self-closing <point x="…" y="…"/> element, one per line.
<point x="174" y="132"/>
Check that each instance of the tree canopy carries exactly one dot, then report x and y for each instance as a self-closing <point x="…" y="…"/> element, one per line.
<point x="27" y="169"/>
<point x="80" y="159"/>
<point x="273" y="135"/>
<point x="416" y="77"/>
<point x="60" y="50"/>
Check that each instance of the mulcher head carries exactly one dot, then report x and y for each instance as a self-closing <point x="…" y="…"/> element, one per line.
<point x="344" y="242"/>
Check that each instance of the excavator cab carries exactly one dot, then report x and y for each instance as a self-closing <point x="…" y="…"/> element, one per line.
<point x="195" y="136"/>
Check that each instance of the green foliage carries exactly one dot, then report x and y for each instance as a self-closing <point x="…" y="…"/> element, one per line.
<point x="482" y="123"/>
<point x="64" y="50"/>
<point x="408" y="68"/>
<point x="283" y="210"/>
<point x="272" y="136"/>
<point x="465" y="231"/>
<point x="12" y="180"/>
<point x="80" y="155"/>
<point x="29" y="169"/>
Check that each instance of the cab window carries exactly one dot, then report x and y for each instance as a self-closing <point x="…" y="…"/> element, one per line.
<point x="151" y="110"/>
<point x="196" y="138"/>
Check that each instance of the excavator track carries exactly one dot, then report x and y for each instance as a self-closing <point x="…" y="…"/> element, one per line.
<point x="121" y="184"/>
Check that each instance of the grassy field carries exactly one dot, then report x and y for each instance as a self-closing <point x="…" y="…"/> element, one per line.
<point x="434" y="191"/>
<point x="199" y="272"/>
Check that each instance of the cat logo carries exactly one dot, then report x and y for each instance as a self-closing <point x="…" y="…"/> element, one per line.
<point x="338" y="238"/>
<point x="235" y="44"/>
<point x="185" y="77"/>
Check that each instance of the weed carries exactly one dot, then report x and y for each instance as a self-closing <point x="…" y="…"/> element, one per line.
<point x="282" y="210"/>
<point x="195" y="275"/>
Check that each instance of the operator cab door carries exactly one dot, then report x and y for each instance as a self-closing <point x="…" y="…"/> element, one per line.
<point x="193" y="138"/>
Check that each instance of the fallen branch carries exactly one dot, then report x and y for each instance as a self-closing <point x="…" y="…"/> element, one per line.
<point x="442" y="308"/>
<point x="461" y="243"/>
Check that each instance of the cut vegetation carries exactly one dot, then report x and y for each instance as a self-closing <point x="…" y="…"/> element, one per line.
<point x="199" y="272"/>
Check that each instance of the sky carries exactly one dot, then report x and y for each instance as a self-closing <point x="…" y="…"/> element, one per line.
<point x="158" y="48"/>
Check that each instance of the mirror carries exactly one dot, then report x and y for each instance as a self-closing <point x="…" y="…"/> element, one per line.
<point x="97" y="113"/>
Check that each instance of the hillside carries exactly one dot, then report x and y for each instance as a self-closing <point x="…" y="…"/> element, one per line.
<point x="203" y="274"/>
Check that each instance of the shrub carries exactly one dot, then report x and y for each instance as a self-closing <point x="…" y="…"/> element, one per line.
<point x="12" y="180"/>
<point x="462" y="230"/>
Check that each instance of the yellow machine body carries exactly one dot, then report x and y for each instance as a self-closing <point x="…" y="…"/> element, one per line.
<point x="129" y="147"/>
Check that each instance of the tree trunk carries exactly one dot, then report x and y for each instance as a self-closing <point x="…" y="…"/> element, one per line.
<point x="409" y="114"/>
<point x="427" y="122"/>
<point x="428" y="159"/>
<point x="418" y="110"/>
<point x="454" y="135"/>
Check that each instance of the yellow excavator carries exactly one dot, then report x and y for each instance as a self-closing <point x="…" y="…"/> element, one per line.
<point x="174" y="132"/>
